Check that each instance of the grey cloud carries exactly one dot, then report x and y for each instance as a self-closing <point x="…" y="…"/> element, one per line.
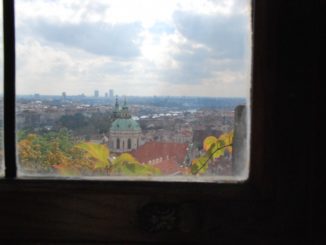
<point x="120" y="40"/>
<point x="192" y="66"/>
<point x="223" y="40"/>
<point x="226" y="35"/>
<point x="196" y="64"/>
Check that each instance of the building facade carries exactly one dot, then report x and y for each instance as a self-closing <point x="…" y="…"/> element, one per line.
<point x="125" y="133"/>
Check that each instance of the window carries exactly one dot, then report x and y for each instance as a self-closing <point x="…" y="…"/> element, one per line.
<point x="129" y="144"/>
<point x="281" y="201"/>
<point x="178" y="69"/>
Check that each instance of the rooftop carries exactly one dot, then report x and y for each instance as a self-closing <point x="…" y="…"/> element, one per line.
<point x="122" y="124"/>
<point x="165" y="156"/>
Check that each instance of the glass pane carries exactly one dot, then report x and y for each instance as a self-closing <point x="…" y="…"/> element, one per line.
<point x="1" y="94"/>
<point x="143" y="89"/>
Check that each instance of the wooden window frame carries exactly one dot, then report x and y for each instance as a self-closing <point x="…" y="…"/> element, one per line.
<point x="83" y="211"/>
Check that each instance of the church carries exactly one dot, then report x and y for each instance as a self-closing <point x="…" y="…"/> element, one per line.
<point x="125" y="136"/>
<point x="125" y="132"/>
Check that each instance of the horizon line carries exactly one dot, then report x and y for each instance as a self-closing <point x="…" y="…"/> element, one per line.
<point x="148" y="96"/>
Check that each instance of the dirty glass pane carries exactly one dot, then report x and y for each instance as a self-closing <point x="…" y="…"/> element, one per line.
<point x="133" y="89"/>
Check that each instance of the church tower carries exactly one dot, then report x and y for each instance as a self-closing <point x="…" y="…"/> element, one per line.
<point x="124" y="113"/>
<point x="125" y="132"/>
<point x="116" y="108"/>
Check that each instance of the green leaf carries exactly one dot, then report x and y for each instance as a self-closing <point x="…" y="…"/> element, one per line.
<point x="217" y="150"/>
<point x="199" y="165"/>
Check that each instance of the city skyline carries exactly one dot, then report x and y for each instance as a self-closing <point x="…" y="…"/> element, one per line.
<point x="162" y="48"/>
<point x="102" y="94"/>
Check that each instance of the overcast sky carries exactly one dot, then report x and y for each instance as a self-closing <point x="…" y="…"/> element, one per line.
<point x="136" y="47"/>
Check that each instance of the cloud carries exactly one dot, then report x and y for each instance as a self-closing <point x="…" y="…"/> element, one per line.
<point x="214" y="50"/>
<point x="192" y="66"/>
<point x="161" y="27"/>
<point x="226" y="35"/>
<point x="118" y="40"/>
<point x="167" y="49"/>
<point x="196" y="63"/>
<point x="48" y="70"/>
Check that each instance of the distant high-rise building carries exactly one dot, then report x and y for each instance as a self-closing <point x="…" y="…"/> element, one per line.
<point x="96" y="93"/>
<point x="106" y="95"/>
<point x="111" y="91"/>
<point x="64" y="95"/>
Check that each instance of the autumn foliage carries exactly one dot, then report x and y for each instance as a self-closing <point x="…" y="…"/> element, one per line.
<point x="214" y="147"/>
<point x="58" y="153"/>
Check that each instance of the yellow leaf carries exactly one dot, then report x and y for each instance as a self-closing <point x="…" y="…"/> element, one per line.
<point x="126" y="158"/>
<point x="127" y="165"/>
<point x="208" y="142"/>
<point x="227" y="139"/>
<point x="99" y="152"/>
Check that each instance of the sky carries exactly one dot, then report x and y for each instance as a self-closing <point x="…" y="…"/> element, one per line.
<point x="136" y="47"/>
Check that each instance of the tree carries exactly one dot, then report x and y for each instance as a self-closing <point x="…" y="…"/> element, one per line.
<point x="214" y="148"/>
<point x="73" y="122"/>
<point x="97" y="161"/>
<point x="127" y="165"/>
<point x="40" y="153"/>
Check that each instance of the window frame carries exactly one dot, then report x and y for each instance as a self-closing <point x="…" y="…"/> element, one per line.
<point x="215" y="212"/>
<point x="243" y="189"/>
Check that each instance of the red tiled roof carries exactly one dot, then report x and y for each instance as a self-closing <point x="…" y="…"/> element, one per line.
<point x="166" y="155"/>
<point x="169" y="167"/>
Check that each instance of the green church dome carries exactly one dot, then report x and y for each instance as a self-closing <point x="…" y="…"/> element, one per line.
<point x="123" y="124"/>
